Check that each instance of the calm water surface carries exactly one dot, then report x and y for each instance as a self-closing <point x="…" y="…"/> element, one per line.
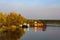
<point x="49" y="32"/>
<point x="52" y="32"/>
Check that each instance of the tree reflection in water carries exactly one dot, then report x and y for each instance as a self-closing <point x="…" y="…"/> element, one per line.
<point x="18" y="33"/>
<point x="9" y="35"/>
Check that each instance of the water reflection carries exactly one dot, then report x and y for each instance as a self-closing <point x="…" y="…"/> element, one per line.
<point x="26" y="29"/>
<point x="35" y="29"/>
<point x="9" y="35"/>
<point x="39" y="28"/>
<point x="52" y="33"/>
<point x="16" y="35"/>
<point x="42" y="28"/>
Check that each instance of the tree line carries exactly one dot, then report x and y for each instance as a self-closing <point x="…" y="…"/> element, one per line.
<point x="11" y="18"/>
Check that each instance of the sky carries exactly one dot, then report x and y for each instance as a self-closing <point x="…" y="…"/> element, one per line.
<point x="33" y="9"/>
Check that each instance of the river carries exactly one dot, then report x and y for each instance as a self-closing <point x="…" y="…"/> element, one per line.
<point x="52" y="32"/>
<point x="49" y="32"/>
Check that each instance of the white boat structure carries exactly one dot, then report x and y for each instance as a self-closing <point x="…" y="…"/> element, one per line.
<point x="25" y="25"/>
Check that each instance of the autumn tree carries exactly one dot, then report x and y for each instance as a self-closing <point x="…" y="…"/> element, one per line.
<point x="2" y="19"/>
<point x="15" y="19"/>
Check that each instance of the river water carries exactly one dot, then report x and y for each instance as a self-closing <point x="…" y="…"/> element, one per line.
<point x="49" y="32"/>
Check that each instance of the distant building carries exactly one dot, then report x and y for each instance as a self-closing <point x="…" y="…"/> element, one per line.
<point x="35" y="24"/>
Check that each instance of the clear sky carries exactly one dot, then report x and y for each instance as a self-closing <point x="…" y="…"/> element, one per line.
<point x="33" y="9"/>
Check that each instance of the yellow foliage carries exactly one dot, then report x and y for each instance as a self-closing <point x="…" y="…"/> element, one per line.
<point x="13" y="28"/>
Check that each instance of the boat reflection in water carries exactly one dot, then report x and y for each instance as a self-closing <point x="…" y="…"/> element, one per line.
<point x="26" y="29"/>
<point x="9" y="35"/>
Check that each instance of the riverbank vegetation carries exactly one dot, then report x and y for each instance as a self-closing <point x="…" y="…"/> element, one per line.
<point x="51" y="21"/>
<point x="12" y="20"/>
